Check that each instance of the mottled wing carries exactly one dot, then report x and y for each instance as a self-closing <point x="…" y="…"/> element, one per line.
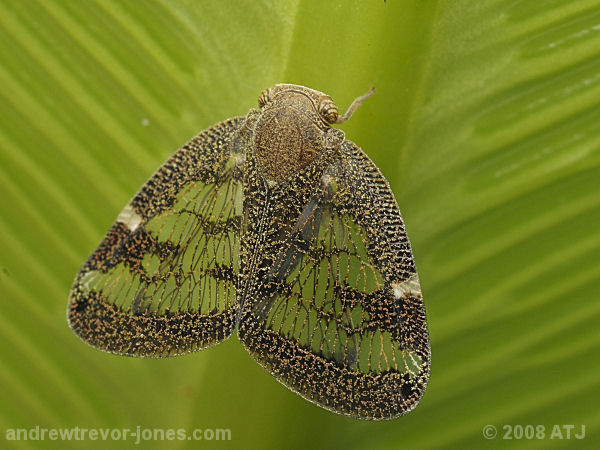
<point x="339" y="316"/>
<point x="163" y="280"/>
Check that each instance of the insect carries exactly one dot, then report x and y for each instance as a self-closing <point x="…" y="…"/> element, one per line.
<point x="277" y="225"/>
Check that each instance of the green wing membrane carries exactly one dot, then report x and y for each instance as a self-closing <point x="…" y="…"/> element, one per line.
<point x="163" y="281"/>
<point x="316" y="271"/>
<point x="336" y="312"/>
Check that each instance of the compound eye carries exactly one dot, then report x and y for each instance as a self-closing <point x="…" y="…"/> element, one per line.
<point x="265" y="97"/>
<point x="328" y="110"/>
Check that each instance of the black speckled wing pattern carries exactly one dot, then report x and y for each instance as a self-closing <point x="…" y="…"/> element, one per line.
<point x="163" y="280"/>
<point x="316" y="272"/>
<point x="333" y="306"/>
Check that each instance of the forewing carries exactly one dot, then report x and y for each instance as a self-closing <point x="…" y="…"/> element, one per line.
<point x="339" y="317"/>
<point x="163" y="280"/>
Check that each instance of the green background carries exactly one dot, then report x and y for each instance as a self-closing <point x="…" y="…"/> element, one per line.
<point x="486" y="122"/>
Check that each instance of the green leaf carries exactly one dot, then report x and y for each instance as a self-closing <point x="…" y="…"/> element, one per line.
<point x="486" y="122"/>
